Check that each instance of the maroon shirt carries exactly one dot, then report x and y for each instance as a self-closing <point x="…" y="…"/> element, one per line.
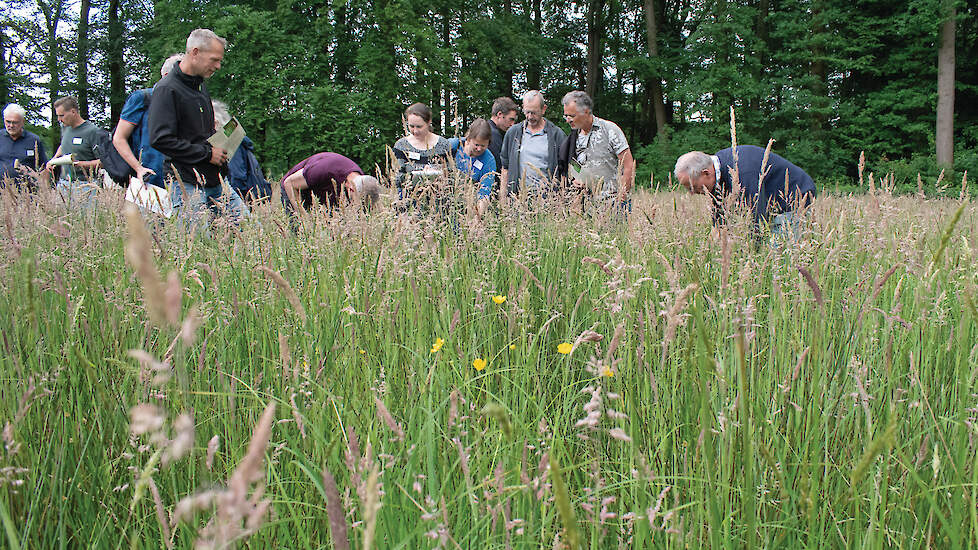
<point x="325" y="174"/>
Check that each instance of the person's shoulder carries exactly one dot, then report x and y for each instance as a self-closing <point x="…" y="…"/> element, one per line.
<point x="31" y="136"/>
<point x="515" y="129"/>
<point x="454" y="143"/>
<point x="403" y="144"/>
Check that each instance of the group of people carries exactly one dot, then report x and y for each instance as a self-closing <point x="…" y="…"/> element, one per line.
<point x="163" y="136"/>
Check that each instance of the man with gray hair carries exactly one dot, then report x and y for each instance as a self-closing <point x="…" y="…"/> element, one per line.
<point x="596" y="155"/>
<point x="20" y="148"/>
<point x="771" y="186"/>
<point x="131" y="136"/>
<point x="181" y="119"/>
<point x="529" y="153"/>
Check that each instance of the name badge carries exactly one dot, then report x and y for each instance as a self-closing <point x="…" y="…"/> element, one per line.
<point x="30" y="152"/>
<point x="414" y="156"/>
<point x="76" y="141"/>
<point x="477" y="165"/>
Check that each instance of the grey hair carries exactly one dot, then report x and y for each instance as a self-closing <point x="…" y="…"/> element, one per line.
<point x="14" y="109"/>
<point x="369" y="189"/>
<point x="581" y="99"/>
<point x="221" y="114"/>
<point x="692" y="163"/>
<point x="202" y="38"/>
<point x="535" y="94"/>
<point x="170" y="63"/>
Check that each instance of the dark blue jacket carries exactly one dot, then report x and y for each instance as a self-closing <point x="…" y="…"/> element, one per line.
<point x="245" y="173"/>
<point x="767" y="197"/>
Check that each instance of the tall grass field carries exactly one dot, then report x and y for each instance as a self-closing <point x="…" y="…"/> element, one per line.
<point x="540" y="380"/>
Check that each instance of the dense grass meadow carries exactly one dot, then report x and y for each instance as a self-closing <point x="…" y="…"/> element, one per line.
<point x="544" y="380"/>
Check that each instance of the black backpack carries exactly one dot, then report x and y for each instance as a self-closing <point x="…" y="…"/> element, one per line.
<point x="112" y="162"/>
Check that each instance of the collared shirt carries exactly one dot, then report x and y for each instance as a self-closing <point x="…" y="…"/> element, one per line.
<point x="78" y="141"/>
<point x="534" y="154"/>
<point x="135" y="112"/>
<point x="27" y="150"/>
<point x="717" y="194"/>
<point x="597" y="153"/>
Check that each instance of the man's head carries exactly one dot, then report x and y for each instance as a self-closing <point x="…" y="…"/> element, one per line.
<point x="67" y="110"/>
<point x="578" y="107"/>
<point x="13" y="120"/>
<point x="477" y="138"/>
<point x="205" y="51"/>
<point x="534" y="107"/>
<point x="504" y="113"/>
<point x="363" y="189"/>
<point x="170" y="63"/>
<point x="695" y="171"/>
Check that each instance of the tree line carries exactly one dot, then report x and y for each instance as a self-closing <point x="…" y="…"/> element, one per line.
<point x="826" y="79"/>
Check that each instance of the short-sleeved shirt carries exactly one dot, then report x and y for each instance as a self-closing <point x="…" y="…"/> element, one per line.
<point x="78" y="141"/>
<point x="597" y="152"/>
<point x="135" y="112"/>
<point x="481" y="169"/>
<point x="411" y="158"/>
<point x="27" y="150"/>
<point x="325" y="174"/>
<point x="534" y="156"/>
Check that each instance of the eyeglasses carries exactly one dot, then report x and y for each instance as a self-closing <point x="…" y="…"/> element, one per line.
<point x="532" y="112"/>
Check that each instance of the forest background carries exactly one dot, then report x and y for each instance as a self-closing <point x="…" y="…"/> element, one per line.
<point x="827" y="79"/>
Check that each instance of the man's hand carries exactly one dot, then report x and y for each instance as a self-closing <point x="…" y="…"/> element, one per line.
<point x="142" y="171"/>
<point x="218" y="156"/>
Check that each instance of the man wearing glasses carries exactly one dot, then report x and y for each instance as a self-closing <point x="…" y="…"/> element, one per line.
<point x="596" y="156"/>
<point x="18" y="147"/>
<point x="529" y="154"/>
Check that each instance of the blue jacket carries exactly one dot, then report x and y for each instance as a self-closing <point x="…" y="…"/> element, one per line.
<point x="480" y="169"/>
<point x="245" y="173"/>
<point x="767" y="197"/>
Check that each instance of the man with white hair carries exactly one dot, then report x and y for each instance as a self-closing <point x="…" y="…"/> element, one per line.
<point x="597" y="150"/>
<point x="775" y="190"/>
<point x="131" y="136"/>
<point x="18" y="147"/>
<point x="181" y="118"/>
<point x="529" y="152"/>
<point x="332" y="178"/>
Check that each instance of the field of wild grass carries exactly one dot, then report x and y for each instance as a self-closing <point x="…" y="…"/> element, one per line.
<point x="541" y="381"/>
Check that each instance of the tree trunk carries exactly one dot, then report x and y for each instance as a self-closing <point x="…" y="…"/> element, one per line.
<point x="506" y="75"/>
<point x="945" y="91"/>
<point x="818" y="69"/>
<point x="52" y="17"/>
<point x="595" y="8"/>
<point x="533" y="67"/>
<point x="4" y="74"/>
<point x="445" y="79"/>
<point x="117" y="76"/>
<point x="343" y="55"/>
<point x="86" y="6"/>
<point x="651" y="36"/>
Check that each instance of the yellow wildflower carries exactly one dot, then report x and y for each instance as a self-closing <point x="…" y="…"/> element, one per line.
<point x="512" y="346"/>
<point x="498" y="299"/>
<point x="437" y="345"/>
<point x="362" y="352"/>
<point x="479" y="364"/>
<point x="564" y="348"/>
<point x="606" y="371"/>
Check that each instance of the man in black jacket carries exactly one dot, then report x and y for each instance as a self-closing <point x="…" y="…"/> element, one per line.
<point x="181" y="118"/>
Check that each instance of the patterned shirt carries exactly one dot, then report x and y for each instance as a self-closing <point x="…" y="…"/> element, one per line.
<point x="597" y="153"/>
<point x="717" y="194"/>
